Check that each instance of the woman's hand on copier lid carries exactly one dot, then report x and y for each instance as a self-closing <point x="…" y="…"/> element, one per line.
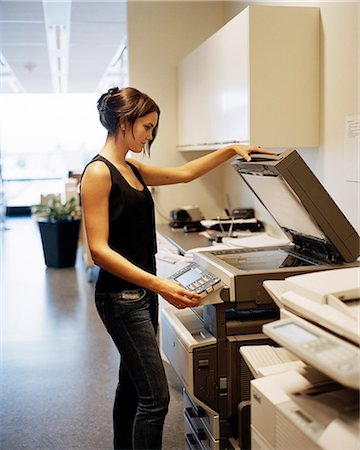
<point x="245" y="150"/>
<point x="178" y="296"/>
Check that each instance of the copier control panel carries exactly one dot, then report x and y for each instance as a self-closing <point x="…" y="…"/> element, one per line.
<point x="331" y="355"/>
<point x="196" y="279"/>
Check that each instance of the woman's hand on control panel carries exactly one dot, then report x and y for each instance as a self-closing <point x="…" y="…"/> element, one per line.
<point x="177" y="295"/>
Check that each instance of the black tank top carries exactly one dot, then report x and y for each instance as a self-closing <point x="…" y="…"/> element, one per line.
<point x="131" y="227"/>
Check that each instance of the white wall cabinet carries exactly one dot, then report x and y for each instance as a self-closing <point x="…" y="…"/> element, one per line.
<point x="254" y="81"/>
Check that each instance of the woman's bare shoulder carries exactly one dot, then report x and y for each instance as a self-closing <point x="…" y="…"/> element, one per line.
<point x="96" y="180"/>
<point x="97" y="169"/>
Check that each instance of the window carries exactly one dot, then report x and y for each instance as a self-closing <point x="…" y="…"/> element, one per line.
<point x="43" y="137"/>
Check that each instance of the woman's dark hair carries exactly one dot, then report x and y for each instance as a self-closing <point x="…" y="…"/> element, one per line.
<point x="125" y="105"/>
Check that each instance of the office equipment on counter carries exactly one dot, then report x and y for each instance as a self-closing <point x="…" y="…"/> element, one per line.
<point x="238" y="219"/>
<point x="186" y="216"/>
<point x="242" y="213"/>
<point x="230" y="224"/>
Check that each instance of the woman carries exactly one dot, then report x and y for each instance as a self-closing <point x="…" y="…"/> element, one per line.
<point x="119" y="219"/>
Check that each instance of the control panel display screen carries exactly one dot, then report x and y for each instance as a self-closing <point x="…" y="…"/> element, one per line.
<point x="296" y="333"/>
<point x="188" y="277"/>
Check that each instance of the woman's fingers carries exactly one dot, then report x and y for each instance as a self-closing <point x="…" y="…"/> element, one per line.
<point x="180" y="297"/>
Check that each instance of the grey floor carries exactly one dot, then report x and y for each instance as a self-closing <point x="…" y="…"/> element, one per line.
<point x="58" y="365"/>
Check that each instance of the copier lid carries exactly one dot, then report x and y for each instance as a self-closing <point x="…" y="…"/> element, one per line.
<point x="300" y="205"/>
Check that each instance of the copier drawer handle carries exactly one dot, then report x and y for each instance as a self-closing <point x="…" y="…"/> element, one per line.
<point x="191" y="442"/>
<point x="200" y="411"/>
<point x="201" y="434"/>
<point x="190" y="412"/>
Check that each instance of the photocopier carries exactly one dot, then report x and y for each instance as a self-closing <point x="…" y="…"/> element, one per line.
<point x="203" y="344"/>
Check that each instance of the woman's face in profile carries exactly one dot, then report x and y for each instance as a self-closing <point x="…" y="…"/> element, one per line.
<point x="141" y="132"/>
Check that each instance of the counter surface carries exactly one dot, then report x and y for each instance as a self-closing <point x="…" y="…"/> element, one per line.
<point x="182" y="241"/>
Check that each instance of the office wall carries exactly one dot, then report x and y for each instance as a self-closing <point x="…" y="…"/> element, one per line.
<point x="339" y="98"/>
<point x="160" y="34"/>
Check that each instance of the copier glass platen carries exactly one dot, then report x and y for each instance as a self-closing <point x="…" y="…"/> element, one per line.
<point x="321" y="237"/>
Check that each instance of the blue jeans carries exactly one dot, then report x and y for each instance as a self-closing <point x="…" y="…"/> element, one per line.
<point x="142" y="395"/>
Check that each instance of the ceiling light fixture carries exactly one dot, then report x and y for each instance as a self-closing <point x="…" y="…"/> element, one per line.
<point x="57" y="25"/>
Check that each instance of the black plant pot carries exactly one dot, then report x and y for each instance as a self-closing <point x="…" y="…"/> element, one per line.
<point x="59" y="240"/>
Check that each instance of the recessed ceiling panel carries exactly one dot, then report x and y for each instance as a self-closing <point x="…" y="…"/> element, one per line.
<point x="106" y="11"/>
<point x="102" y="54"/>
<point x="20" y="11"/>
<point x="26" y="53"/>
<point x="96" y="31"/>
<point x="22" y="33"/>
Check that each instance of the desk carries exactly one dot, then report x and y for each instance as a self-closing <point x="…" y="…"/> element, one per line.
<point x="182" y="241"/>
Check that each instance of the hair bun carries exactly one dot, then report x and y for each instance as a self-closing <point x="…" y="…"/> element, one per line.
<point x="112" y="91"/>
<point x="103" y="102"/>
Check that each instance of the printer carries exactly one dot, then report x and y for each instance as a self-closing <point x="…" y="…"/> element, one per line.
<point x="236" y="305"/>
<point x="315" y="406"/>
<point x="186" y="215"/>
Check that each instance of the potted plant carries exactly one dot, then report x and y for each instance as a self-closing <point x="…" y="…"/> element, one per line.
<point x="59" y="230"/>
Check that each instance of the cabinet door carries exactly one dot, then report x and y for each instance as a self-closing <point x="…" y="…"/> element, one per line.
<point x="284" y="76"/>
<point x="254" y="81"/>
<point x="211" y="100"/>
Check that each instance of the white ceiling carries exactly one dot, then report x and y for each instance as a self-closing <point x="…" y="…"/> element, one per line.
<point x="97" y="36"/>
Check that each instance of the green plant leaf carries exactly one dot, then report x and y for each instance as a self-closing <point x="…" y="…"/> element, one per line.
<point x="56" y="210"/>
